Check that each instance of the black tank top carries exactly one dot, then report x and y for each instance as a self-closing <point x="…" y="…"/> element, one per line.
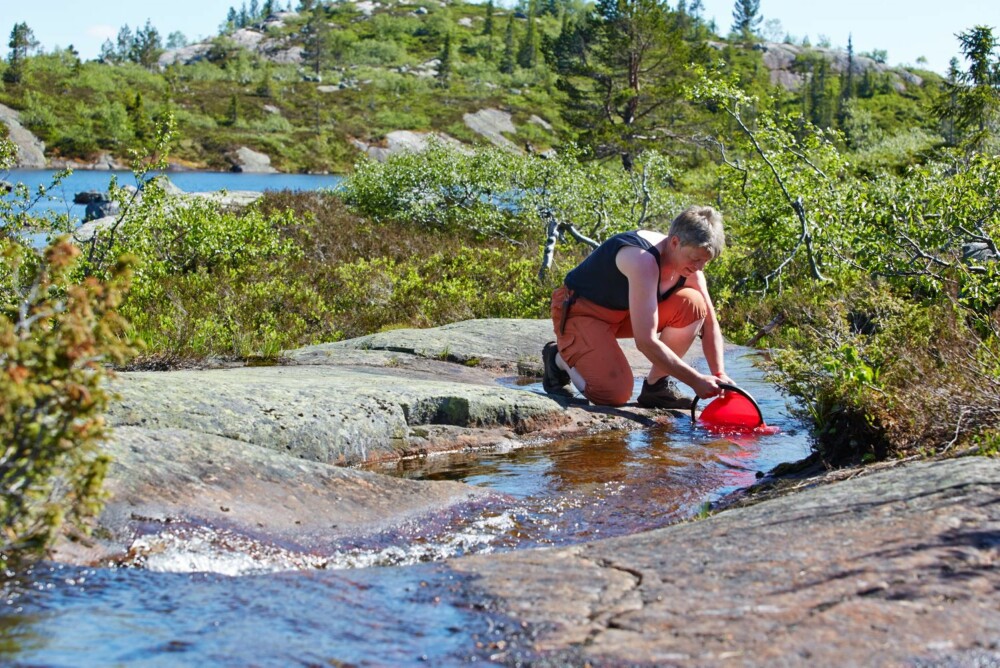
<point x="598" y="278"/>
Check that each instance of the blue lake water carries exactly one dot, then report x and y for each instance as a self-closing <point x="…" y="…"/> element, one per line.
<point x="375" y="601"/>
<point x="60" y="198"/>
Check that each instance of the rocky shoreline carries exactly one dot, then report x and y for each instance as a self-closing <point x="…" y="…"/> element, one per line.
<point x="895" y="566"/>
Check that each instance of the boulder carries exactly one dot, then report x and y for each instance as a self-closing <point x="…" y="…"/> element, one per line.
<point x="979" y="251"/>
<point x="101" y="209"/>
<point x="245" y="159"/>
<point x="85" y="233"/>
<point x="89" y="196"/>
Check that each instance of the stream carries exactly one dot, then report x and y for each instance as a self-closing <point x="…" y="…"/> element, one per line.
<point x="197" y="596"/>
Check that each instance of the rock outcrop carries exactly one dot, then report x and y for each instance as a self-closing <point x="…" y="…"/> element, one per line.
<point x="247" y="439"/>
<point x="886" y="567"/>
<point x="400" y="141"/>
<point x="30" y="149"/>
<point x="785" y="64"/>
<point x="491" y="124"/>
<point x="894" y="568"/>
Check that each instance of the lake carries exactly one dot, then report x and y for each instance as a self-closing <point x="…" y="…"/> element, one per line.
<point x="60" y="198"/>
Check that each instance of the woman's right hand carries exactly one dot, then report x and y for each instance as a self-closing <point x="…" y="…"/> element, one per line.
<point x="706" y="386"/>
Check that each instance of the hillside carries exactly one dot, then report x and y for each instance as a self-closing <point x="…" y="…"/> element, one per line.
<point x="315" y="90"/>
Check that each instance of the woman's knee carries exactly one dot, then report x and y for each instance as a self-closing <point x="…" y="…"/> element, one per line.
<point x="684" y="307"/>
<point x="609" y="392"/>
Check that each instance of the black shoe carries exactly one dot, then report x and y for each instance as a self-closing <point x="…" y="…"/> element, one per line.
<point x="554" y="379"/>
<point x="663" y="394"/>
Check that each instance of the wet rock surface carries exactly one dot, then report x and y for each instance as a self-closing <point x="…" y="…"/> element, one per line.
<point x="893" y="568"/>
<point x="261" y="450"/>
<point x="160" y="477"/>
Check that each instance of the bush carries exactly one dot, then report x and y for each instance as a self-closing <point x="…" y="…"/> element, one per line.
<point x="491" y="193"/>
<point x="375" y="276"/>
<point x="890" y="337"/>
<point x="55" y="337"/>
<point x="213" y="282"/>
<point x="429" y="291"/>
<point x="881" y="375"/>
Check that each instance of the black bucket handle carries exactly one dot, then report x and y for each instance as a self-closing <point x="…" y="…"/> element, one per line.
<point x="729" y="387"/>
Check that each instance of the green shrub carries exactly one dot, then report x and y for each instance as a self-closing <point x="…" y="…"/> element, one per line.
<point x="211" y="281"/>
<point x="375" y="275"/>
<point x="492" y="193"/>
<point x="382" y="293"/>
<point x="879" y="374"/>
<point x="56" y="335"/>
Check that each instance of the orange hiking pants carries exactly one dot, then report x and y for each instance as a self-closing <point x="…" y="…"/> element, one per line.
<point x="588" y="341"/>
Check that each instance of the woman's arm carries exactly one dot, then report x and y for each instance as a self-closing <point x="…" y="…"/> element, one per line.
<point x="711" y="336"/>
<point x="643" y="278"/>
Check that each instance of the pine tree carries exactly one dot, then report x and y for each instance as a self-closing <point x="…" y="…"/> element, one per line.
<point x="233" y="111"/>
<point x="108" y="54"/>
<point x="847" y="86"/>
<point x="317" y="40"/>
<point x="139" y="119"/>
<point x="527" y="55"/>
<point x="488" y="23"/>
<point x="746" y="18"/>
<point x="624" y="75"/>
<point x="444" y="63"/>
<point x="508" y="61"/>
<point x="147" y="47"/>
<point x="125" y="43"/>
<point x="972" y="97"/>
<point x="22" y="41"/>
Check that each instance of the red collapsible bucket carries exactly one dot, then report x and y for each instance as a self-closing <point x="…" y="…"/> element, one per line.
<point x="734" y="410"/>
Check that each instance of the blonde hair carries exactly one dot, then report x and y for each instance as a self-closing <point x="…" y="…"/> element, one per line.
<point x="701" y="227"/>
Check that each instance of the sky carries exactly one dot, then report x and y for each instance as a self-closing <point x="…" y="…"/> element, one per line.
<point x="906" y="29"/>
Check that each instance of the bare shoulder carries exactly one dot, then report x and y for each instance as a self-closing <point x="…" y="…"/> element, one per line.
<point x="635" y="262"/>
<point x="652" y="236"/>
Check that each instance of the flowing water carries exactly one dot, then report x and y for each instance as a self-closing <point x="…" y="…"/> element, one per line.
<point x="204" y="597"/>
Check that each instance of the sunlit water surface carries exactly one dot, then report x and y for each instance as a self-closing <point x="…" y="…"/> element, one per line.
<point x="199" y="595"/>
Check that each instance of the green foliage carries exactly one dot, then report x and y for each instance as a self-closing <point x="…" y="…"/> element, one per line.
<point x="495" y="193"/>
<point x="380" y="63"/>
<point x="971" y="100"/>
<point x="886" y="286"/>
<point x="879" y="374"/>
<point x="780" y="176"/>
<point x="623" y="70"/>
<point x="441" y="288"/>
<point x="214" y="282"/>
